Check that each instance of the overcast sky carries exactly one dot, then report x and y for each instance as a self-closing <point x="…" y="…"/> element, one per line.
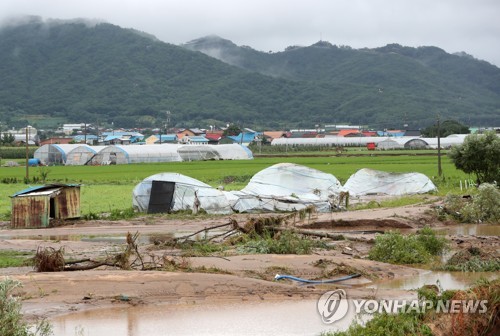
<point x="472" y="26"/>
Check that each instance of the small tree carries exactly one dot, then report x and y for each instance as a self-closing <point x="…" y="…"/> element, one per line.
<point x="7" y="139"/>
<point x="232" y="130"/>
<point x="447" y="127"/>
<point x="479" y="155"/>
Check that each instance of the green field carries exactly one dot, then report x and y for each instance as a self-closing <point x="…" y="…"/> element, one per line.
<point x="110" y="187"/>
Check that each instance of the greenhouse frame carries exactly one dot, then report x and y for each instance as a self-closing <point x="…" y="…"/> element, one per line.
<point x="54" y="154"/>
<point x="390" y="142"/>
<point x="117" y="154"/>
<point x="214" y="152"/>
<point x="82" y="155"/>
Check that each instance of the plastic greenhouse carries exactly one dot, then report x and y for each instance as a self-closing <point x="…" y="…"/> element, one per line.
<point x="214" y="152"/>
<point x="136" y="154"/>
<point x="390" y="142"/>
<point x="82" y="155"/>
<point x="54" y="154"/>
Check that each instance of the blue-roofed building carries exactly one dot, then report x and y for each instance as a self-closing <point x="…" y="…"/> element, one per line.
<point x="244" y="138"/>
<point x="165" y="138"/>
<point x="121" y="138"/>
<point x="91" y="139"/>
<point x="195" y="139"/>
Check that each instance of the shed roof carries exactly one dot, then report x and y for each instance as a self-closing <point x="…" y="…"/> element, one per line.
<point x="44" y="188"/>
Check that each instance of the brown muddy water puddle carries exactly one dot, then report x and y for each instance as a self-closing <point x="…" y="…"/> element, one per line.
<point x="246" y="318"/>
<point x="472" y="230"/>
<point x="444" y="280"/>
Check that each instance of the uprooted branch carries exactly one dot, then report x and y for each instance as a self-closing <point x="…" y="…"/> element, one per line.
<point x="183" y="239"/>
<point x="49" y="259"/>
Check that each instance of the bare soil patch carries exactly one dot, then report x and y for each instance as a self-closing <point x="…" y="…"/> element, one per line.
<point x="210" y="279"/>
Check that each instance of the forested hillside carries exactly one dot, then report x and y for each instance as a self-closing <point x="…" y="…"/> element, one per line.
<point x="78" y="72"/>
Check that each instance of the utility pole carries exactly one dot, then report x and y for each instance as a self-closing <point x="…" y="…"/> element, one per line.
<point x="27" y="157"/>
<point x="167" y="124"/>
<point x="440" y="171"/>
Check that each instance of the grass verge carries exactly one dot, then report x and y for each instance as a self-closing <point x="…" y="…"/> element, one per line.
<point x="14" y="258"/>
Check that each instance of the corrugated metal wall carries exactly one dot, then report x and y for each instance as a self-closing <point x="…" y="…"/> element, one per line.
<point x="67" y="203"/>
<point x="30" y="212"/>
<point x="36" y="211"/>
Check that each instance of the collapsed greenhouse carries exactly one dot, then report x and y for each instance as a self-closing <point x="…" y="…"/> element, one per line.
<point x="369" y="182"/>
<point x="281" y="187"/>
<point x="166" y="192"/>
<point x="287" y="187"/>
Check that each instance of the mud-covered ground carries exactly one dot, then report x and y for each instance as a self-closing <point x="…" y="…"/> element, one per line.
<point x="233" y="277"/>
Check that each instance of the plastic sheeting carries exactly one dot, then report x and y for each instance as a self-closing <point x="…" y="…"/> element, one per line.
<point x="394" y="142"/>
<point x="213" y="201"/>
<point x="137" y="154"/>
<point x="287" y="187"/>
<point x="367" y="181"/>
<point x="214" y="152"/>
<point x="82" y="155"/>
<point x="54" y="154"/>
<point x="117" y="154"/>
<point x="282" y="187"/>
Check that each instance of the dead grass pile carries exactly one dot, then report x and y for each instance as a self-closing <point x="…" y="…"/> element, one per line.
<point x="473" y="259"/>
<point x="48" y="259"/>
<point x="465" y="255"/>
<point x="478" y="323"/>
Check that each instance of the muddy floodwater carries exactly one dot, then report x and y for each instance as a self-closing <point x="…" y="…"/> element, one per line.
<point x="472" y="230"/>
<point x="444" y="280"/>
<point x="245" y="318"/>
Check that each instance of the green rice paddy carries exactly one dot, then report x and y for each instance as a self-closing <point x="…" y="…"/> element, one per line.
<point x="110" y="187"/>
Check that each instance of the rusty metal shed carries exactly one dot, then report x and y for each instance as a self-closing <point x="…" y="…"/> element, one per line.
<point x="36" y="207"/>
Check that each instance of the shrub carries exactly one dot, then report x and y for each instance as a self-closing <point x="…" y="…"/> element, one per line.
<point x="433" y="243"/>
<point x="11" y="319"/>
<point x="395" y="248"/>
<point x="484" y="206"/>
<point x="472" y="259"/>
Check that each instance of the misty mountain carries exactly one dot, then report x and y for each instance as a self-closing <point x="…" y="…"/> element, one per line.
<point x="423" y="81"/>
<point x="54" y="72"/>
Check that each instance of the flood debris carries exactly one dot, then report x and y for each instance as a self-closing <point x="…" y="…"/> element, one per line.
<point x="49" y="259"/>
<point x="473" y="259"/>
<point x="308" y="281"/>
